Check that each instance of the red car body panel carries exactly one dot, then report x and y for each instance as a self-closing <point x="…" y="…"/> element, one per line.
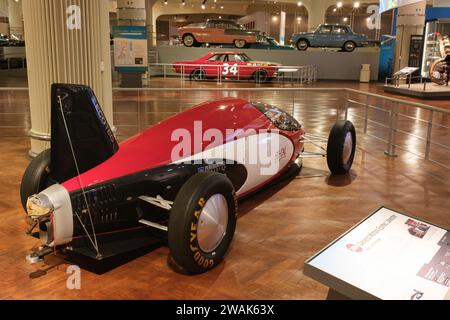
<point x="153" y="147"/>
<point x="226" y="69"/>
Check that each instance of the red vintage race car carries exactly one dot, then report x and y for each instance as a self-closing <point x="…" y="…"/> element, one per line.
<point x="227" y="65"/>
<point x="183" y="177"/>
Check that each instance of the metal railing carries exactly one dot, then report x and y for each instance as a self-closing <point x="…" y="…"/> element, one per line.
<point x="390" y="125"/>
<point x="395" y="124"/>
<point x="398" y="113"/>
<point x="7" y="60"/>
<point x="295" y="74"/>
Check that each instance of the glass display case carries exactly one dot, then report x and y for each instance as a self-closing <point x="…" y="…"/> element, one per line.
<point x="436" y="43"/>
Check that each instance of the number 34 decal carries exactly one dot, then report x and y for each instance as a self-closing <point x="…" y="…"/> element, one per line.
<point x="227" y="69"/>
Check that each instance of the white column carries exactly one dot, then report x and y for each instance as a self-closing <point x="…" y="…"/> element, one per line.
<point x="151" y="29"/>
<point x="15" y="18"/>
<point x="67" y="42"/>
<point x="282" y="27"/>
<point x="131" y="12"/>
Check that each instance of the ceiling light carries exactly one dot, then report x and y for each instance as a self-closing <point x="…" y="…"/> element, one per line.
<point x="356" y="4"/>
<point x="339" y="4"/>
<point x="299" y="4"/>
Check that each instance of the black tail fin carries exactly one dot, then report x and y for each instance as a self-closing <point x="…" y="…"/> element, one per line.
<point x="92" y="139"/>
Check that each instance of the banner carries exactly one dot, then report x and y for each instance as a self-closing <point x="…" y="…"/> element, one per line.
<point x="130" y="48"/>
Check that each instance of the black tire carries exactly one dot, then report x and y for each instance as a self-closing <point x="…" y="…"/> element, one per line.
<point x="186" y="220"/>
<point x="189" y="40"/>
<point x="240" y="43"/>
<point x="349" y="46"/>
<point x="198" y="75"/>
<point x="340" y="153"/>
<point x="260" y="76"/>
<point x="36" y="177"/>
<point x="302" y="44"/>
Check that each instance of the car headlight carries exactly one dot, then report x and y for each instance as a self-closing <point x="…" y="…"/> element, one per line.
<point x="39" y="206"/>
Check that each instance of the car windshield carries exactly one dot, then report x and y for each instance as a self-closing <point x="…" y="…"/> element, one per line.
<point x="273" y="41"/>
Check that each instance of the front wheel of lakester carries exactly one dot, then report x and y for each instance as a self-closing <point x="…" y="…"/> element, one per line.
<point x="341" y="147"/>
<point x="202" y="222"/>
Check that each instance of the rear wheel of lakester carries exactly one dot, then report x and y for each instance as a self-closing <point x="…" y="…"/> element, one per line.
<point x="341" y="147"/>
<point x="260" y="76"/>
<point x="198" y="75"/>
<point x="189" y="40"/>
<point x="202" y="222"/>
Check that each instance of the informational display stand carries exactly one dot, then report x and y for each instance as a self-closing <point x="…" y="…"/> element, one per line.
<point x="130" y="54"/>
<point x="389" y="255"/>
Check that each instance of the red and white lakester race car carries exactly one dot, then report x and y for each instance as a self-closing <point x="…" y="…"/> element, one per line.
<point x="182" y="178"/>
<point x="227" y="65"/>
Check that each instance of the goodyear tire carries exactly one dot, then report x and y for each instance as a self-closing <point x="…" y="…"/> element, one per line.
<point x="202" y="222"/>
<point x="341" y="147"/>
<point x="36" y="177"/>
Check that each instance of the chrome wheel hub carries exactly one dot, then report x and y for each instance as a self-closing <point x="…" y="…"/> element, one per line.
<point x="348" y="148"/>
<point x="213" y="222"/>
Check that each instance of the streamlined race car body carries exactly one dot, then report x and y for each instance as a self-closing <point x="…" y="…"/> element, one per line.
<point x="183" y="176"/>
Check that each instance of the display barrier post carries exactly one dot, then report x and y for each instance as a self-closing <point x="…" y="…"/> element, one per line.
<point x="429" y="131"/>
<point x="366" y="114"/>
<point x="392" y="130"/>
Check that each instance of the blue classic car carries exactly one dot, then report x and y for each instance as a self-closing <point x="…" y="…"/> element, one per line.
<point x="329" y="35"/>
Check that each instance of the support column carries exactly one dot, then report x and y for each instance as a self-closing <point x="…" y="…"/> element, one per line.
<point x="67" y="42"/>
<point x="131" y="13"/>
<point x="316" y="12"/>
<point x="151" y="29"/>
<point x="15" y="18"/>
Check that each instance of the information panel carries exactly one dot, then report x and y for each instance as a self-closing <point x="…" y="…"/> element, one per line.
<point x="130" y="48"/>
<point x="389" y="255"/>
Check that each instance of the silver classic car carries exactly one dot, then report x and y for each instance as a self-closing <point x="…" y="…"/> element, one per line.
<point x="329" y="35"/>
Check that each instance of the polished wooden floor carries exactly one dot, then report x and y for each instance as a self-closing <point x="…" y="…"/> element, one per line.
<point x="277" y="229"/>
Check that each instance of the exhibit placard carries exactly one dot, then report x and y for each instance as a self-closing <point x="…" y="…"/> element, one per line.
<point x="388" y="255"/>
<point x="130" y="48"/>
